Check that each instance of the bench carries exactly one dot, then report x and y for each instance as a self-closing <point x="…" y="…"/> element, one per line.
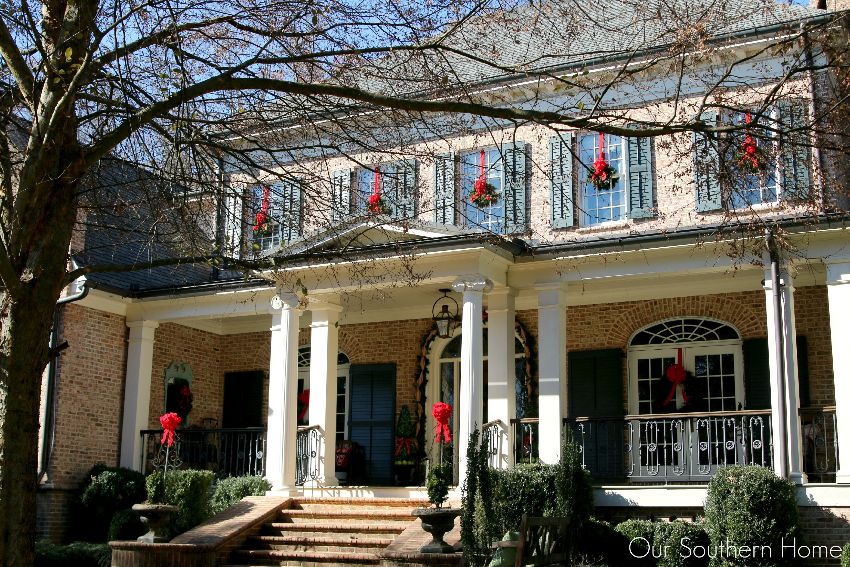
<point x="542" y="541"/>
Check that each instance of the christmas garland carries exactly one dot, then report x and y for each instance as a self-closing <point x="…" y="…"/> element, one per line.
<point x="529" y="386"/>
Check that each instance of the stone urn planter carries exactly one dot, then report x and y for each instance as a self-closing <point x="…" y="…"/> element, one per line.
<point x="155" y="518"/>
<point x="437" y="521"/>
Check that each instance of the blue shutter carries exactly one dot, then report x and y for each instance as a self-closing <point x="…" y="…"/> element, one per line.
<point x="444" y="189"/>
<point x="291" y="200"/>
<point x="403" y="201"/>
<point x="707" y="167"/>
<point x="372" y="418"/>
<point x="340" y="194"/>
<point x="561" y="179"/>
<point x="794" y="149"/>
<point x="640" y="184"/>
<point x="513" y="186"/>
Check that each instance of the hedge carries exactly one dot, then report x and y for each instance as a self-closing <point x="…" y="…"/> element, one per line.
<point x="106" y="491"/>
<point x="229" y="491"/>
<point x="77" y="554"/>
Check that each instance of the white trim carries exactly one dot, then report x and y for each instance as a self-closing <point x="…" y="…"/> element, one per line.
<point x="679" y="496"/>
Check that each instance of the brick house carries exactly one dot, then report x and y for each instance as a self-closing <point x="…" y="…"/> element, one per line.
<point x="572" y="324"/>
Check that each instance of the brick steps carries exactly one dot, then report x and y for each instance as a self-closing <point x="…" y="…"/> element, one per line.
<point x="327" y="532"/>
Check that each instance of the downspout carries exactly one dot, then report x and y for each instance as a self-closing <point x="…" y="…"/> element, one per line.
<point x="49" y="410"/>
<point x="779" y="346"/>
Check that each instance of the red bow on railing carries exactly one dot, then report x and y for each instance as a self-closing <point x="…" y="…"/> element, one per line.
<point x="169" y="422"/>
<point x="304" y="400"/>
<point x="404" y="446"/>
<point x="442" y="412"/>
<point x="677" y="375"/>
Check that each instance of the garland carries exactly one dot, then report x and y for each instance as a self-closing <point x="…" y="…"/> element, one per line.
<point x="529" y="385"/>
<point x="603" y="175"/>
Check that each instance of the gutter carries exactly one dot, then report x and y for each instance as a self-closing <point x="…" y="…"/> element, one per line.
<point x="49" y="438"/>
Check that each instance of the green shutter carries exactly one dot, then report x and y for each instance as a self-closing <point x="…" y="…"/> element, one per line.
<point x="291" y="202"/>
<point x="561" y="179"/>
<point x="444" y="189"/>
<point x="340" y="194"/>
<point x="757" y="372"/>
<point x="794" y="149"/>
<point x="513" y="184"/>
<point x="233" y="222"/>
<point x="403" y="198"/>
<point x="595" y="385"/>
<point x="707" y="167"/>
<point x="640" y="184"/>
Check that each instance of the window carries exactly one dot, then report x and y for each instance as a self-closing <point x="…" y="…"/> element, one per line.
<point x="397" y="184"/>
<point x="721" y="182"/>
<point x="504" y="169"/>
<point x="571" y="159"/>
<point x="283" y="217"/>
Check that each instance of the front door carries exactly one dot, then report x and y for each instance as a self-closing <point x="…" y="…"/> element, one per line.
<point x="371" y="420"/>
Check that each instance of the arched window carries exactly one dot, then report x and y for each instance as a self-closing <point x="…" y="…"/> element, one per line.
<point x="710" y="352"/>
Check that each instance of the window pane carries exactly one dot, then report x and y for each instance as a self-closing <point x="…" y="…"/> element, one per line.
<point x="747" y="188"/>
<point x="608" y="204"/>
<point x="490" y="217"/>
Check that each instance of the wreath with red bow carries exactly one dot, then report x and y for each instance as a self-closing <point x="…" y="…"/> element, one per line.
<point x="262" y="227"/>
<point x="483" y="193"/>
<point x="376" y="204"/>
<point x="750" y="158"/>
<point x="603" y="175"/>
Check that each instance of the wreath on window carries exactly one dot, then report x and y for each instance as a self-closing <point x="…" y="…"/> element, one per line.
<point x="262" y="226"/>
<point x="184" y="401"/>
<point x="483" y="193"/>
<point x="376" y="204"/>
<point x="603" y="175"/>
<point x="750" y="158"/>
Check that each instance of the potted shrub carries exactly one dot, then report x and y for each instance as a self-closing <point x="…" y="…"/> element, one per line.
<point x="405" y="447"/>
<point x="154" y="513"/>
<point x="438" y="520"/>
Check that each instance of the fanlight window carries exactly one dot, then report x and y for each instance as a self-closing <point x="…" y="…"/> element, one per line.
<point x="304" y="357"/>
<point x="685" y="330"/>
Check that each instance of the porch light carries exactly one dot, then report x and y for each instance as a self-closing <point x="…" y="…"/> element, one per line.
<point x="446" y="316"/>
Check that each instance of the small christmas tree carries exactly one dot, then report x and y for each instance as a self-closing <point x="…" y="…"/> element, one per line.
<point x="405" y="440"/>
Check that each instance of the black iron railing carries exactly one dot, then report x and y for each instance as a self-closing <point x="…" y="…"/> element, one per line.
<point x="227" y="452"/>
<point x="308" y="445"/>
<point x="819" y="443"/>
<point x="687" y="447"/>
<point x="495" y="434"/>
<point x="524" y="433"/>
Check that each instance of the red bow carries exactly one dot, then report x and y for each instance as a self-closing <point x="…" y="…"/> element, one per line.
<point x="677" y="375"/>
<point x="169" y="422"/>
<point x="600" y="166"/>
<point x="262" y="214"/>
<point x="442" y="412"/>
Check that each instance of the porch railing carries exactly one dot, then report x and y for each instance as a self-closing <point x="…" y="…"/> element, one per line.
<point x="227" y="452"/>
<point x="686" y="447"/>
<point x="524" y="433"/>
<point x="495" y="435"/>
<point x="308" y="446"/>
<point x="820" y="443"/>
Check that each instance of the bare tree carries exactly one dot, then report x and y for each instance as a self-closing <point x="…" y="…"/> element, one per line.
<point x="142" y="117"/>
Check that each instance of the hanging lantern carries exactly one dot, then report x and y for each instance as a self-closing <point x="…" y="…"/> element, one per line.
<point x="445" y="317"/>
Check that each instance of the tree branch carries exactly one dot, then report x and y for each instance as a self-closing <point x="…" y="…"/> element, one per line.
<point x="17" y="65"/>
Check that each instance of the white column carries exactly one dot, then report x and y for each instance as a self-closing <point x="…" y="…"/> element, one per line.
<point x="784" y="384"/>
<point x="471" y="362"/>
<point x="501" y="373"/>
<point x="838" y="290"/>
<point x="552" y="345"/>
<point x="283" y="391"/>
<point x="324" y="348"/>
<point x="137" y="391"/>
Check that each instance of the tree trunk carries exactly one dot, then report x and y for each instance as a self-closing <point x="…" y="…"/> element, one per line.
<point x="26" y="316"/>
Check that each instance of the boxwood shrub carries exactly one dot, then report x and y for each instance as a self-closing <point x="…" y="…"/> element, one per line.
<point x="106" y="491"/>
<point x="639" y="539"/>
<point x="845" y="556"/>
<point x="189" y="490"/>
<point x="77" y="554"/>
<point x="681" y="544"/>
<point x="229" y="491"/>
<point x="751" y="506"/>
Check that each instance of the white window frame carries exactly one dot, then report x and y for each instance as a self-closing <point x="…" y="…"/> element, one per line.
<point x="493" y="219"/>
<point x="730" y="187"/>
<point x="582" y="183"/>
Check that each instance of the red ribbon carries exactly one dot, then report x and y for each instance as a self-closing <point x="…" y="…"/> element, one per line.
<point x="169" y="422"/>
<point x="600" y="165"/>
<point x="304" y="399"/>
<point x="677" y="375"/>
<point x="442" y="412"/>
<point x="404" y="446"/>
<point x="262" y="214"/>
<point x="376" y="190"/>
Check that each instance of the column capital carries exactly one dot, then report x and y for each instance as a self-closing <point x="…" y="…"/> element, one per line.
<point x="837" y="271"/>
<point x="143" y="324"/>
<point x="472" y="282"/>
<point x="501" y="299"/>
<point x="315" y="305"/>
<point x="284" y="300"/>
<point x="551" y="294"/>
